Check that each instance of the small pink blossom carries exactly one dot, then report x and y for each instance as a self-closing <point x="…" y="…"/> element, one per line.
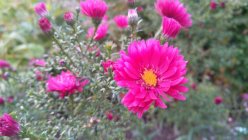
<point x="121" y="21"/>
<point x="68" y="17"/>
<point x="65" y="84"/>
<point x="1" y="101"/>
<point x="194" y="86"/>
<point x="107" y="65"/>
<point x="95" y="9"/>
<point x="100" y="33"/>
<point x="8" y="126"/>
<point x="133" y="17"/>
<point x="109" y="115"/>
<point x="218" y="100"/>
<point x="170" y="27"/>
<point x="40" y="9"/>
<point x="45" y="24"/>
<point x="140" y="9"/>
<point x="174" y="9"/>
<point x="222" y="4"/>
<point x="38" y="75"/>
<point x="96" y="50"/>
<point x="38" y="62"/>
<point x="4" y="64"/>
<point x="245" y="96"/>
<point x="213" y="5"/>
<point x="10" y="99"/>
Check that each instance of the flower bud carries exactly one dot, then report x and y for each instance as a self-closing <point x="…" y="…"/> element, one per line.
<point x="40" y="9"/>
<point x="45" y="25"/>
<point x="133" y="17"/>
<point x="1" y="101"/>
<point x="69" y="18"/>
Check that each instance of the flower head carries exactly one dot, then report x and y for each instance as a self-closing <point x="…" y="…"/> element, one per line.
<point x="4" y="64"/>
<point x="121" y="21"/>
<point x="8" y="126"/>
<point x="38" y="62"/>
<point x="65" y="84"/>
<point x="40" y="9"/>
<point x="174" y="9"/>
<point x="1" y="101"/>
<point x="213" y="5"/>
<point x="10" y="99"/>
<point x="133" y="17"/>
<point x="95" y="9"/>
<point x="45" y="24"/>
<point x="152" y="73"/>
<point x="100" y="33"/>
<point x="218" y="100"/>
<point x="69" y="17"/>
<point x="107" y="65"/>
<point x="244" y="96"/>
<point x="109" y="115"/>
<point x="170" y="27"/>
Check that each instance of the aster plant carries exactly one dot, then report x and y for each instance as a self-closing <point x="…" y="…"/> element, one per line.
<point x="93" y="80"/>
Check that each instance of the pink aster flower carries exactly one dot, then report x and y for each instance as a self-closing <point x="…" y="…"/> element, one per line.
<point x="1" y="101"/>
<point x="100" y="33"/>
<point x="8" y="126"/>
<point x="213" y="5"/>
<point x="4" y="64"/>
<point x="107" y="65"/>
<point x="65" y="84"/>
<point x="40" y="9"/>
<point x="95" y="9"/>
<point x="69" y="17"/>
<point x="218" y="100"/>
<point x="152" y="73"/>
<point x="38" y="62"/>
<point x="45" y="24"/>
<point x="133" y="17"/>
<point x="174" y="9"/>
<point x="170" y="27"/>
<point x="121" y="21"/>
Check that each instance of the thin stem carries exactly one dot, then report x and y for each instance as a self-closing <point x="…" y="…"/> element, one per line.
<point x="61" y="48"/>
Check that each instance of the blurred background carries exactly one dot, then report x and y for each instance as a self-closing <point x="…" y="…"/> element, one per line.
<point x="216" y="47"/>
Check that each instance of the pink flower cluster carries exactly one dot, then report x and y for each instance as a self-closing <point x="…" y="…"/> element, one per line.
<point x="175" y="16"/>
<point x="8" y="126"/>
<point x="152" y="73"/>
<point x="65" y="84"/>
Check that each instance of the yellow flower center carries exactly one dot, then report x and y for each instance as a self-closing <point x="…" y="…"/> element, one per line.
<point x="149" y="77"/>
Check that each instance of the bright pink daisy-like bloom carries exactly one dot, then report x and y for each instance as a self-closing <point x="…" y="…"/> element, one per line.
<point x="95" y="9"/>
<point x="175" y="11"/>
<point x="65" y="84"/>
<point x="45" y="24"/>
<point x="121" y="21"/>
<point x="100" y="33"/>
<point x="40" y="9"/>
<point x="4" y="64"/>
<point x="152" y="73"/>
<point x="8" y="126"/>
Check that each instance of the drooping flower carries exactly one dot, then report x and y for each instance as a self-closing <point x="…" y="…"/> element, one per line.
<point x="8" y="126"/>
<point x="107" y="65"/>
<point x="121" y="21"/>
<point x="100" y="33"/>
<point x="37" y="62"/>
<point x="170" y="27"/>
<point x="4" y="64"/>
<point x="65" y="84"/>
<point x="69" y="17"/>
<point x="213" y="5"/>
<point x="1" y="101"/>
<point x="152" y="73"/>
<point x="133" y="17"/>
<point x="218" y="100"/>
<point x="40" y="9"/>
<point x="45" y="24"/>
<point x="175" y="11"/>
<point x="95" y="9"/>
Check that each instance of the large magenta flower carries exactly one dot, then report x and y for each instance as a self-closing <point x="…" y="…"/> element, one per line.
<point x="8" y="126"/>
<point x="175" y="11"/>
<point x="65" y="84"/>
<point x="95" y="9"/>
<point x="151" y="72"/>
